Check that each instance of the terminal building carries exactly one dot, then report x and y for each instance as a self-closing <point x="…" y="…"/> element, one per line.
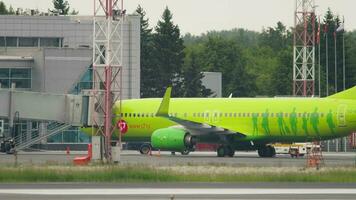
<point x="53" y="54"/>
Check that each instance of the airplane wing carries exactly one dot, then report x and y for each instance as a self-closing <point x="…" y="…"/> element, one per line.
<point x="194" y="128"/>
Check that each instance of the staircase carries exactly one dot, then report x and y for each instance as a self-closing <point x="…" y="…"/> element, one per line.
<point x="25" y="140"/>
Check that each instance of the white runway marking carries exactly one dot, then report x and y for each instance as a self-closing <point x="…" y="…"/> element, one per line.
<point x="175" y="191"/>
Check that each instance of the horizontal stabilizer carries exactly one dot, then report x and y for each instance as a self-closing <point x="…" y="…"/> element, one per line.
<point x="347" y="94"/>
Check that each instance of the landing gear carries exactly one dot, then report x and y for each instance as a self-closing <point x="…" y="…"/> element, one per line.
<point x="266" y="152"/>
<point x="145" y="149"/>
<point x="225" y="151"/>
<point x="185" y="152"/>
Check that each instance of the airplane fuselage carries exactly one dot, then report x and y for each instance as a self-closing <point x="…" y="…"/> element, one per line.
<point x="264" y="120"/>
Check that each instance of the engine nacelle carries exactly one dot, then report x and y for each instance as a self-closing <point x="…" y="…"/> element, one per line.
<point x="172" y="139"/>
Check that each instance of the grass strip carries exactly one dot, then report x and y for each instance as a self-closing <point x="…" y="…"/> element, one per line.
<point x="133" y="173"/>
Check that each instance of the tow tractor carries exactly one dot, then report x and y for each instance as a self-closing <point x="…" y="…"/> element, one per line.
<point x="295" y="150"/>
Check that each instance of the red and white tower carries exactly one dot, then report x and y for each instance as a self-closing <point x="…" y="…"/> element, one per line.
<point x="109" y="17"/>
<point x="304" y="48"/>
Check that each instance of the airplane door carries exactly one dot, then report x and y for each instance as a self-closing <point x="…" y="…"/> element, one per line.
<point x="341" y="115"/>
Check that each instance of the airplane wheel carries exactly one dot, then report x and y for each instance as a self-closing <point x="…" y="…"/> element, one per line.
<point x="267" y="152"/>
<point x="230" y="152"/>
<point x="221" y="151"/>
<point x="224" y="150"/>
<point x="145" y="149"/>
<point x="173" y="153"/>
<point x="185" y="152"/>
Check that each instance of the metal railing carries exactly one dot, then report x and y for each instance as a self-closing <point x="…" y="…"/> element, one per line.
<point x="25" y="140"/>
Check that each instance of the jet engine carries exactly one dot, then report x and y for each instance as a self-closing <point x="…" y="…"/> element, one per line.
<point x="172" y="139"/>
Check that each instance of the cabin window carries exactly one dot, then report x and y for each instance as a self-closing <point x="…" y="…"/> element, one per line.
<point x="215" y="114"/>
<point x="225" y="114"/>
<point x="202" y="115"/>
<point x="286" y="115"/>
<point x="152" y="115"/>
<point x="206" y="114"/>
<point x="230" y="115"/>
<point x="248" y="114"/>
<point x="243" y="114"/>
<point x="185" y="115"/>
<point x="125" y="114"/>
<point x="134" y="114"/>
<point x="321" y="114"/>
<point x="272" y="114"/>
<point x="138" y="115"/>
<point x="198" y="114"/>
<point x="299" y="114"/>
<point x="239" y="114"/>
<point x="193" y="114"/>
<point x="221" y="114"/>
<point x="235" y="115"/>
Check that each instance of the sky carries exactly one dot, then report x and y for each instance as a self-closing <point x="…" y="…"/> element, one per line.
<point x="200" y="16"/>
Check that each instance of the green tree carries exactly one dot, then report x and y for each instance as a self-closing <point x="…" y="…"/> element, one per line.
<point x="225" y="56"/>
<point x="148" y="75"/>
<point x="168" y="55"/>
<point x="11" y="11"/>
<point x="3" y="9"/>
<point x="193" y="75"/>
<point x="61" y="6"/>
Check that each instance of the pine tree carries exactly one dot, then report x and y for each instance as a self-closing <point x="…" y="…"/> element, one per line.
<point x="3" y="10"/>
<point x="61" y="6"/>
<point x="148" y="78"/>
<point x="193" y="86"/>
<point x="168" y="55"/>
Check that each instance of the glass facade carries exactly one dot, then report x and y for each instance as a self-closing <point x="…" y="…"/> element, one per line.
<point x="73" y="134"/>
<point x="85" y="82"/>
<point x="30" y="42"/>
<point x="22" y="77"/>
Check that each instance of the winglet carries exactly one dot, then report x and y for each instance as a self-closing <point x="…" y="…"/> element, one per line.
<point x="164" y="107"/>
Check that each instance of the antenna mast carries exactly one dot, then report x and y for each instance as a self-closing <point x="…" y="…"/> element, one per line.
<point x="107" y="68"/>
<point x="304" y="48"/>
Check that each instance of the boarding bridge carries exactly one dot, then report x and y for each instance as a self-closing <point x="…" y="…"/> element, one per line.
<point x="58" y="111"/>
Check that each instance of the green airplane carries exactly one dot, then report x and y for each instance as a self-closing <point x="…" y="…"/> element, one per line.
<point x="177" y="124"/>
